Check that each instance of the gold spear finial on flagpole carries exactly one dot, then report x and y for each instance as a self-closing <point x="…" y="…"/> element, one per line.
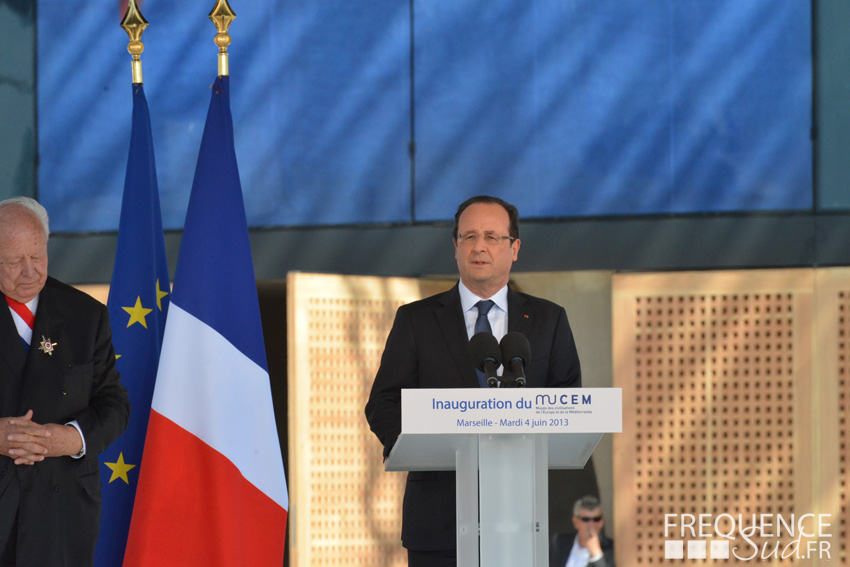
<point x="134" y="24"/>
<point x="222" y="16"/>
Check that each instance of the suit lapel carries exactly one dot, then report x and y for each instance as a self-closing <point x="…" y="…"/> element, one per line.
<point x="519" y="319"/>
<point x="10" y="339"/>
<point x="13" y="359"/>
<point x="450" y="318"/>
<point x="40" y="365"/>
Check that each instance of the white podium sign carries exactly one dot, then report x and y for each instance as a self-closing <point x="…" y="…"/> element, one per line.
<point x="501" y="444"/>
<point x="512" y="410"/>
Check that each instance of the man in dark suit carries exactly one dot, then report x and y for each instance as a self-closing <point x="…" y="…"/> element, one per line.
<point x="61" y="402"/>
<point x="588" y="546"/>
<point x="428" y="347"/>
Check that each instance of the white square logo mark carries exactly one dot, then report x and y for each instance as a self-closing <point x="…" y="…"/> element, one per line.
<point x="674" y="549"/>
<point x="696" y="549"/>
<point x="720" y="549"/>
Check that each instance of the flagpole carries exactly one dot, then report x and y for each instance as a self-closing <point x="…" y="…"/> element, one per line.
<point x="134" y="24"/>
<point x="222" y="16"/>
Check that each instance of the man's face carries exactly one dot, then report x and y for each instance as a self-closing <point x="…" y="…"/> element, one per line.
<point x="485" y="268"/>
<point x="23" y="254"/>
<point x="587" y="523"/>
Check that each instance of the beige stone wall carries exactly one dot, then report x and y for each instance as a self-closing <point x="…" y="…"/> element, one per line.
<point x="735" y="401"/>
<point x="345" y="510"/>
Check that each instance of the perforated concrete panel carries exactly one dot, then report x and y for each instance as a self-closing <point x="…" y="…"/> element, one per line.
<point x="346" y="511"/>
<point x="733" y="414"/>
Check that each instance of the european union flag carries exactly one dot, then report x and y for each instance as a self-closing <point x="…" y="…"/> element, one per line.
<point x="138" y="302"/>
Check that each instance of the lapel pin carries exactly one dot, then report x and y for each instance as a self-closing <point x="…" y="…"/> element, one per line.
<point x="47" y="346"/>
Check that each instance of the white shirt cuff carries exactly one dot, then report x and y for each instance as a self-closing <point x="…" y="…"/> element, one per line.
<point x="82" y="452"/>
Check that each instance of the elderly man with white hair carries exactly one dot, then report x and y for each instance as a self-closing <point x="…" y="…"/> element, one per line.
<point x="61" y="401"/>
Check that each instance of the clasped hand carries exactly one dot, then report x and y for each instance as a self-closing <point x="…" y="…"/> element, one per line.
<point x="28" y="442"/>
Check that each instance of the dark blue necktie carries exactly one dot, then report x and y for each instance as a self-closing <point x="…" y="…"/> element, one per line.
<point x="482" y="325"/>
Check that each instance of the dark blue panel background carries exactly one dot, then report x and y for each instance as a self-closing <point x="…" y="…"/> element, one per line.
<point x="321" y="108"/>
<point x="565" y="107"/>
<point x="627" y="107"/>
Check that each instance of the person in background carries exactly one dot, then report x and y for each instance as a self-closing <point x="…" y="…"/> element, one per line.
<point x="588" y="546"/>
<point x="61" y="401"/>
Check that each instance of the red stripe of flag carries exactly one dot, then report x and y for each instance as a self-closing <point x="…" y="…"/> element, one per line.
<point x="223" y="520"/>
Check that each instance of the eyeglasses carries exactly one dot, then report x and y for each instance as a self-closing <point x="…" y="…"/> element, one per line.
<point x="588" y="519"/>
<point x="490" y="238"/>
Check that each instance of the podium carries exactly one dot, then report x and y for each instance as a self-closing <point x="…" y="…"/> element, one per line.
<point x="501" y="444"/>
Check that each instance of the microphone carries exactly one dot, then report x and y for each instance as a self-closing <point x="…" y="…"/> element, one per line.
<point x="486" y="356"/>
<point x="516" y="352"/>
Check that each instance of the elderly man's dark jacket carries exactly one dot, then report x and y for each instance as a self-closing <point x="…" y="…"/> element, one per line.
<point x="57" y="501"/>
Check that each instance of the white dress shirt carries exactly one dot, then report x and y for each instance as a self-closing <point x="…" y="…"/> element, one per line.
<point x="498" y="314"/>
<point x="580" y="556"/>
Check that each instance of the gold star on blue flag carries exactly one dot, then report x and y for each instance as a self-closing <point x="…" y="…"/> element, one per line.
<point x="119" y="469"/>
<point x="138" y="312"/>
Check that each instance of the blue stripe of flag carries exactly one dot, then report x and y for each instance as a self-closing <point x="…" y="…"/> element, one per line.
<point x="215" y="240"/>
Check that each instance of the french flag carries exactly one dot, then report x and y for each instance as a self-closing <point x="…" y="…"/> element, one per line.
<point x="212" y="489"/>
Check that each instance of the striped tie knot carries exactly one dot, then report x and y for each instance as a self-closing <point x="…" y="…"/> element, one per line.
<point x="482" y="324"/>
